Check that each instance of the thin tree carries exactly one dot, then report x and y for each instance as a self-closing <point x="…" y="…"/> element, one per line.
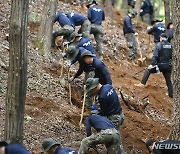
<point x="175" y="134"/>
<point x="46" y="26"/>
<point x="17" y="73"/>
<point x="167" y="11"/>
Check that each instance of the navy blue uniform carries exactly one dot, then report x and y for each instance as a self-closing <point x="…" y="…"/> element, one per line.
<point x="170" y="36"/>
<point x="60" y="150"/>
<point x="108" y="100"/>
<point x="76" y="19"/>
<point x="128" y="27"/>
<point x="157" y="29"/>
<point x="100" y="69"/>
<point x="87" y="44"/>
<point x="97" y="122"/>
<point x="63" y="20"/>
<point x="16" y="149"/>
<point x="146" y="7"/>
<point x="167" y="147"/>
<point x="162" y="57"/>
<point x="96" y="15"/>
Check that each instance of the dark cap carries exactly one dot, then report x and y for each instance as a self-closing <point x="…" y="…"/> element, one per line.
<point x="91" y="84"/>
<point x="48" y="144"/>
<point x="163" y="35"/>
<point x="74" y="35"/>
<point x="150" y="143"/>
<point x="132" y="12"/>
<point x="72" y="51"/>
<point x="87" y="53"/>
<point x="157" y="20"/>
<point x="168" y="26"/>
<point x="91" y="2"/>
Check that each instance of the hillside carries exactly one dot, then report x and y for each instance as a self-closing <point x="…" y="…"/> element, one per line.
<point x="48" y="113"/>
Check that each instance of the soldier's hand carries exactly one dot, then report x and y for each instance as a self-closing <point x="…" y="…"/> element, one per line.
<point x="136" y="34"/>
<point x="150" y="67"/>
<point x="149" y="27"/>
<point x="71" y="79"/>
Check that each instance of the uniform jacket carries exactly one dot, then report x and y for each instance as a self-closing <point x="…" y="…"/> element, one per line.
<point x="128" y="27"/>
<point x="63" y="20"/>
<point x="76" y="19"/>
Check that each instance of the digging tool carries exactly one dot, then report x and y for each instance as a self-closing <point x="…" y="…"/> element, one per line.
<point x="82" y="112"/>
<point x="135" y="74"/>
<point x="141" y="60"/>
<point x="62" y="80"/>
<point x="69" y="84"/>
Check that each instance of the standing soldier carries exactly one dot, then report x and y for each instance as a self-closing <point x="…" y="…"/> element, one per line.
<point x="161" y="61"/>
<point x="96" y="16"/>
<point x="106" y="134"/>
<point x="129" y="34"/>
<point x="170" y="31"/>
<point x="79" y="20"/>
<point x="146" y="11"/>
<point x="65" y="31"/>
<point x="157" y="29"/>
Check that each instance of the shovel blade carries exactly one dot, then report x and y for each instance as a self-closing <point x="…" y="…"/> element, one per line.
<point x="62" y="81"/>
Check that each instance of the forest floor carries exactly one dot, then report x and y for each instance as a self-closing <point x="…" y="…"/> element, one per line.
<point x="48" y="113"/>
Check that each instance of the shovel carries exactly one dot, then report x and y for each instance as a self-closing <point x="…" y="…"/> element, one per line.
<point x="82" y="112"/>
<point x="70" y="92"/>
<point x="62" y="80"/>
<point x="141" y="60"/>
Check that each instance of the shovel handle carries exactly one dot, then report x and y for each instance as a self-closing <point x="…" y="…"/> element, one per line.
<point x="70" y="92"/>
<point x="82" y="112"/>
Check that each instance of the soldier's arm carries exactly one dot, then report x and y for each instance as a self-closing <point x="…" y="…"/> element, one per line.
<point x="128" y="23"/>
<point x="79" y="72"/>
<point x="89" y="14"/>
<point x="156" y="55"/>
<point x="88" y="127"/>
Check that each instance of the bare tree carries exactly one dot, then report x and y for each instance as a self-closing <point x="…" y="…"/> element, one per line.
<point x="137" y="7"/>
<point x="175" y="134"/>
<point x="167" y="11"/>
<point x="17" y="75"/>
<point x="46" y="25"/>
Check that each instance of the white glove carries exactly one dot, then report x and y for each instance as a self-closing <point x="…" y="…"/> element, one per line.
<point x="62" y="55"/>
<point x="68" y="64"/>
<point x="150" y="67"/>
<point x="71" y="79"/>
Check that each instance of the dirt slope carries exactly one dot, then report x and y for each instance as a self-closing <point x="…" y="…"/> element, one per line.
<point x="48" y="113"/>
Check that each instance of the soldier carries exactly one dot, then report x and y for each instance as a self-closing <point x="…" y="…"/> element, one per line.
<point x="96" y="16"/>
<point x="161" y="62"/>
<point x="80" y="41"/>
<point x="106" y="134"/>
<point x="52" y="147"/>
<point x="157" y="29"/>
<point x="65" y="31"/>
<point x="163" y="147"/>
<point x="146" y="11"/>
<point x="129" y="34"/>
<point x="79" y="20"/>
<point x="170" y="33"/>
<point x="6" y="148"/>
<point x="107" y="99"/>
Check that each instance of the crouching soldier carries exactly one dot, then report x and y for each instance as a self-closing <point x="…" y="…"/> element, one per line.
<point x="163" y="147"/>
<point x="107" y="99"/>
<point x="106" y="134"/>
<point x="161" y="62"/>
<point x="65" y="31"/>
<point x="52" y="147"/>
<point x="6" y="148"/>
<point x="79" y="20"/>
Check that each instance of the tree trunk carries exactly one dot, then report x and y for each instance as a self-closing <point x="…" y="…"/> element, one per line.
<point x="110" y="9"/>
<point x="159" y="8"/>
<point x="46" y="27"/>
<point x="17" y="74"/>
<point x="167" y="11"/>
<point x="137" y="8"/>
<point x="175" y="134"/>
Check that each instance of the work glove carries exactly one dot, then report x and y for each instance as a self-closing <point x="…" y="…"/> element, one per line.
<point x="68" y="64"/>
<point x="150" y="67"/>
<point x="62" y="55"/>
<point x="71" y="79"/>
